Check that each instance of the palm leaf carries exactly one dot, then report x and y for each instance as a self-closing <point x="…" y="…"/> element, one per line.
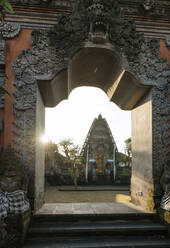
<point x="7" y="7"/>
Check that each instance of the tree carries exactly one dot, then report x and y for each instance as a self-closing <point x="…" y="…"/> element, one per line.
<point x="69" y="149"/>
<point x="72" y="152"/>
<point x="5" y="6"/>
<point x="128" y="149"/>
<point x="121" y="158"/>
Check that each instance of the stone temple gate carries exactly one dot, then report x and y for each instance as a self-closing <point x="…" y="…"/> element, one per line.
<point x="92" y="45"/>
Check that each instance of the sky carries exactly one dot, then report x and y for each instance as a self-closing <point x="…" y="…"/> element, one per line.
<point x="72" y="118"/>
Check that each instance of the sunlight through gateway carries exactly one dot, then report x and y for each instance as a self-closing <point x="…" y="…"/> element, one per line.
<point x="44" y="139"/>
<point x="73" y="117"/>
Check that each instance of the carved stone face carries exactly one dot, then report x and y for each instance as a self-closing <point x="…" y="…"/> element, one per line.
<point x="148" y="4"/>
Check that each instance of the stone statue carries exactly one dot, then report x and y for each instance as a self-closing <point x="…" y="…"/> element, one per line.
<point x="13" y="200"/>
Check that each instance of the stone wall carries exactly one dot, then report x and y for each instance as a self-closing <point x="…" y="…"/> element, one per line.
<point x="40" y="152"/>
<point x="142" y="164"/>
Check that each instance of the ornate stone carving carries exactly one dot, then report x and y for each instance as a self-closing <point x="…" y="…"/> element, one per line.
<point x="9" y="30"/>
<point x="95" y="22"/>
<point x="161" y="113"/>
<point x="98" y="22"/>
<point x="148" y="4"/>
<point x="2" y="51"/>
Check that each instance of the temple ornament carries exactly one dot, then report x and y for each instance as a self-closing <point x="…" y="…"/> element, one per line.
<point x="148" y="4"/>
<point x="9" y="30"/>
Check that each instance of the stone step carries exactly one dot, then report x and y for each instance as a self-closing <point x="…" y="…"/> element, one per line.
<point x="49" y="218"/>
<point x="99" y="242"/>
<point x="139" y="230"/>
<point x="97" y="228"/>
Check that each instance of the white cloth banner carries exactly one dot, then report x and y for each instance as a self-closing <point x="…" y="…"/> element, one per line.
<point x="13" y="202"/>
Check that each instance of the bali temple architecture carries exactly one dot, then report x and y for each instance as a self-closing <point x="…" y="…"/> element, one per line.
<point x="50" y="47"/>
<point x="99" y="152"/>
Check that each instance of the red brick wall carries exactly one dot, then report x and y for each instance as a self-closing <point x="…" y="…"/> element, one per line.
<point x="164" y="51"/>
<point x="13" y="49"/>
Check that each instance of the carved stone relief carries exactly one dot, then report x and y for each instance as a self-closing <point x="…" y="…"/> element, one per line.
<point x="148" y="4"/>
<point x="9" y="30"/>
<point x="50" y="54"/>
<point x="2" y="52"/>
<point x="140" y="7"/>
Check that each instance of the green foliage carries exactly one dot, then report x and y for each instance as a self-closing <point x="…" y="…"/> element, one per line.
<point x="128" y="146"/>
<point x="121" y="158"/>
<point x="126" y="172"/>
<point x="70" y="150"/>
<point x="128" y="149"/>
<point x="5" y="6"/>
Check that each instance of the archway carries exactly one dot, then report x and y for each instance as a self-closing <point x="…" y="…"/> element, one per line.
<point x="87" y="119"/>
<point x="100" y="53"/>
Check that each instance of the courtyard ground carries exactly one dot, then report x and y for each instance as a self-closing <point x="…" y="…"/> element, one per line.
<point x="65" y="200"/>
<point x="67" y="194"/>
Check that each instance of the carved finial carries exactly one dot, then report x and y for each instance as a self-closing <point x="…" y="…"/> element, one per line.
<point x="99" y="117"/>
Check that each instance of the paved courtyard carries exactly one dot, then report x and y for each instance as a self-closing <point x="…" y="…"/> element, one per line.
<point x="68" y="194"/>
<point x="88" y="200"/>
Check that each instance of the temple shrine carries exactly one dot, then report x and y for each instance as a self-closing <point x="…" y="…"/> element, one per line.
<point x="99" y="152"/>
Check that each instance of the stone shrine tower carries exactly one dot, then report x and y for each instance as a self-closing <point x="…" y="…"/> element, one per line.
<point x="99" y="152"/>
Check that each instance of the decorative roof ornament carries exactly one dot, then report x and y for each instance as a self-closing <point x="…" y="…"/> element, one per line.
<point x="96" y="21"/>
<point x="148" y="4"/>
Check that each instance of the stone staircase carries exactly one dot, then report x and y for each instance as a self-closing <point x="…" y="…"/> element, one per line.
<point x="97" y="231"/>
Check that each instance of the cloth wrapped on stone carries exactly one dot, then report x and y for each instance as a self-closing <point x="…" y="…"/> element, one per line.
<point x="13" y="203"/>
<point x="165" y="202"/>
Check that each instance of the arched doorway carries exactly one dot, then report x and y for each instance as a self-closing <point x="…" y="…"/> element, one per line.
<point x="99" y="54"/>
